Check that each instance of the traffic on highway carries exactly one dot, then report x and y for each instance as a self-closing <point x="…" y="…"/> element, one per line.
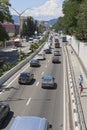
<point x="37" y="90"/>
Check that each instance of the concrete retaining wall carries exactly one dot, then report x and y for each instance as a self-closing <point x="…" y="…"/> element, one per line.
<point x="81" y="50"/>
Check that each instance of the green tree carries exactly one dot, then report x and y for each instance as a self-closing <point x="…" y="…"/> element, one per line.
<point x="3" y="34"/>
<point x="24" y="29"/>
<point x="70" y="10"/>
<point x="4" y="16"/>
<point x="4" y="11"/>
<point x="82" y="21"/>
<point x="29" y="27"/>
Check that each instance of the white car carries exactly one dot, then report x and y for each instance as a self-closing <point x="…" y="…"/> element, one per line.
<point x="35" y="40"/>
<point x="30" y="40"/>
<point x="40" y="56"/>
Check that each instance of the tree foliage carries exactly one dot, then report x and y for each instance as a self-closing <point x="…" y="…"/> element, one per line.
<point x="4" y="16"/>
<point x="3" y="34"/>
<point x="4" y="11"/>
<point x="74" y="19"/>
<point x="29" y="27"/>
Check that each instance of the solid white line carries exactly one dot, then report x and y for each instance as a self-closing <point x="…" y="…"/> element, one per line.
<point x="28" y="101"/>
<point x="64" y="98"/>
<point x="37" y="83"/>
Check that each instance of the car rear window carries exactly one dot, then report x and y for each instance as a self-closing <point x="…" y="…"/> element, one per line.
<point x="25" y="75"/>
<point x="47" y="80"/>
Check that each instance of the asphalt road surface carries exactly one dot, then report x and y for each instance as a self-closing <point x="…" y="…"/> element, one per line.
<point x="32" y="100"/>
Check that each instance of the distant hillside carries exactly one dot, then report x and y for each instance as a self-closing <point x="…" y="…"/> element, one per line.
<point x="49" y="23"/>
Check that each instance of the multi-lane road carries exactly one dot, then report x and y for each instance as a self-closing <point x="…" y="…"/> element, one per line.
<point x="32" y="100"/>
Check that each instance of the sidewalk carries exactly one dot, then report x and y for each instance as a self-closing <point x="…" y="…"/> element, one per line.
<point x="77" y="71"/>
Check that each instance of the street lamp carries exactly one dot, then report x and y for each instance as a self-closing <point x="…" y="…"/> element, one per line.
<point x="20" y="14"/>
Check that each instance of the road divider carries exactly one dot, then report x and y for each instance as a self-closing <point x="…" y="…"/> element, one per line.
<point x="11" y="72"/>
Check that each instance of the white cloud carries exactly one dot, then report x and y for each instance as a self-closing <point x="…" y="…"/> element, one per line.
<point x="51" y="9"/>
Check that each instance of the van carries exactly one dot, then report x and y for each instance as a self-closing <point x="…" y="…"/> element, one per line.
<point x="30" y="123"/>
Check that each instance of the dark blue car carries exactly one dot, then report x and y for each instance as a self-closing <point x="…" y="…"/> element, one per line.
<point x="34" y="63"/>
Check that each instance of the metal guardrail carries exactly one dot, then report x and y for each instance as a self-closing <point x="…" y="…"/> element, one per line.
<point x="5" y="77"/>
<point x="81" y="122"/>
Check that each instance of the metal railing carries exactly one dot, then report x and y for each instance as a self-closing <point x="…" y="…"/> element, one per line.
<point x="81" y="119"/>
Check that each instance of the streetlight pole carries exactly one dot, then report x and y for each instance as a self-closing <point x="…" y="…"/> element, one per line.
<point x="20" y="14"/>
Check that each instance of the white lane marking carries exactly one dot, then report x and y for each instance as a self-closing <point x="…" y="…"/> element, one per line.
<point x="45" y="66"/>
<point x="28" y="101"/>
<point x="42" y="73"/>
<point x="37" y="83"/>
<point x="48" y="60"/>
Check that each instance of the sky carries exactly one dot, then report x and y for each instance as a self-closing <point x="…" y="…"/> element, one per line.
<point x="38" y="9"/>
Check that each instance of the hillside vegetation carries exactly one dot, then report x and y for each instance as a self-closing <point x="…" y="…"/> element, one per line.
<point x="74" y="21"/>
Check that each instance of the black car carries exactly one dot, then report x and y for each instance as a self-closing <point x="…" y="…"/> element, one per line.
<point x="25" y="77"/>
<point x="4" y="111"/>
<point x="34" y="63"/>
<point x="55" y="59"/>
<point x="48" y="51"/>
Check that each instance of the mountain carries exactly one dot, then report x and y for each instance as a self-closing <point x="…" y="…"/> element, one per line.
<point x="51" y="22"/>
<point x="48" y="23"/>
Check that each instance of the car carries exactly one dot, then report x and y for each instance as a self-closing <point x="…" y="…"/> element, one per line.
<point x="56" y="49"/>
<point x="55" y="59"/>
<point x="25" y="77"/>
<point x="17" y="42"/>
<point x="57" y="45"/>
<point x="48" y="81"/>
<point x="34" y="63"/>
<point x="30" y="123"/>
<point x="56" y="40"/>
<point x="30" y="40"/>
<point x="40" y="56"/>
<point x="56" y="53"/>
<point x="4" y="111"/>
<point x="48" y="51"/>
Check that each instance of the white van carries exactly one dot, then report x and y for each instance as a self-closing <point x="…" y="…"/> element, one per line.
<point x="30" y="123"/>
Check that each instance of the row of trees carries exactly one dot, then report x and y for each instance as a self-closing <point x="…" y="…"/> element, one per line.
<point x="74" y="20"/>
<point x="30" y="26"/>
<point x="4" y="16"/>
